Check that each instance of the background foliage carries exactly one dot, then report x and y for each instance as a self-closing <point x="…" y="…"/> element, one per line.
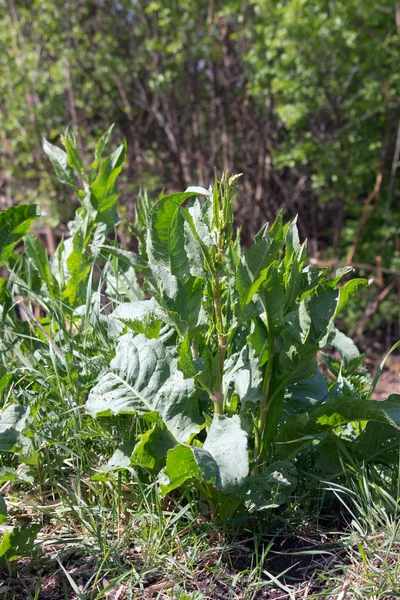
<point x="301" y="96"/>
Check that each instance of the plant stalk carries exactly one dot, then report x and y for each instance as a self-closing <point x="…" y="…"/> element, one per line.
<point x="264" y="404"/>
<point x="217" y="395"/>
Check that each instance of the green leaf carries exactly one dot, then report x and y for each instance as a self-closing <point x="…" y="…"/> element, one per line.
<point x="78" y="268"/>
<point x="185" y="362"/>
<point x="74" y="159"/>
<point x="144" y="377"/>
<point x="227" y="443"/>
<point x="140" y="316"/>
<point x="104" y="191"/>
<point x="18" y="542"/>
<point x="15" y="222"/>
<point x="258" y="338"/>
<point x="292" y="242"/>
<point x="5" y="380"/>
<point x="122" y="283"/>
<point x="322" y="308"/>
<point x="3" y="510"/>
<point x="347" y="291"/>
<point x="378" y="440"/>
<point x="294" y="276"/>
<point x="298" y="361"/>
<point x="299" y="431"/>
<point x="272" y="296"/>
<point x="59" y="158"/>
<point x="253" y="268"/>
<point x="166" y="237"/>
<point x="272" y="488"/>
<point x="306" y="394"/>
<point x="162" y="283"/>
<point x="222" y="461"/>
<point x="7" y="475"/>
<point x="345" y="346"/>
<point x="243" y="374"/>
<point x="12" y="422"/>
<point x="121" y="459"/>
<point x="152" y="448"/>
<point x="182" y="466"/>
<point x="100" y="147"/>
<point x="40" y="261"/>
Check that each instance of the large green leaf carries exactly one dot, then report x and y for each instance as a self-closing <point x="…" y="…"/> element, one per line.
<point x="272" y="296"/>
<point x="243" y="376"/>
<point x="120" y="460"/>
<point x="15" y="222"/>
<point x="297" y="432"/>
<point x="151" y="450"/>
<point x="143" y="378"/>
<point x="306" y="394"/>
<point x="345" y="346"/>
<point x="227" y="443"/>
<point x="182" y="466"/>
<point x="253" y="268"/>
<point x="166" y="237"/>
<point x="140" y="316"/>
<point x="161" y="282"/>
<point x="223" y="460"/>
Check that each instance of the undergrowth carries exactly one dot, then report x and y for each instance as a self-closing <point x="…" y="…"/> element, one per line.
<point x="186" y="422"/>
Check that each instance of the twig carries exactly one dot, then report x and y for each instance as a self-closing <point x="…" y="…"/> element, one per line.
<point x="372" y="309"/>
<point x="374" y="195"/>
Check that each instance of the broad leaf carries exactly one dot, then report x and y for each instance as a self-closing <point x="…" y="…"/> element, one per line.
<point x="253" y="268"/>
<point x="223" y="460"/>
<point x="227" y="443"/>
<point x="166" y="238"/>
<point x="182" y="466"/>
<point x="150" y="452"/>
<point x="297" y="432"/>
<point x="120" y="460"/>
<point x="306" y="394"/>
<point x="243" y="377"/>
<point x="144" y="378"/>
